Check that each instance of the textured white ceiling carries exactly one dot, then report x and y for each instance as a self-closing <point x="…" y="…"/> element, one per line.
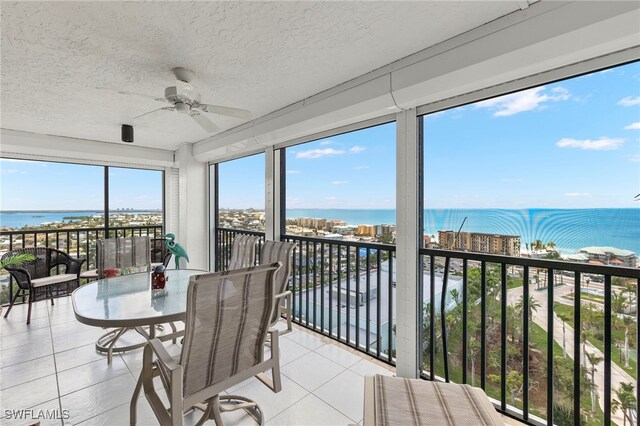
<point x="260" y="56"/>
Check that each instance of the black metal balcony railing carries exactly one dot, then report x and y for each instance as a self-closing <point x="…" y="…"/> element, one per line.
<point x="341" y="289"/>
<point x="345" y="290"/>
<point x="470" y="321"/>
<point x="78" y="242"/>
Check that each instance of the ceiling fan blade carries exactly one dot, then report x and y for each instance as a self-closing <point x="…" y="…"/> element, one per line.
<point x="155" y="110"/>
<point x="231" y="112"/>
<point x="204" y="122"/>
<point x="124" y="92"/>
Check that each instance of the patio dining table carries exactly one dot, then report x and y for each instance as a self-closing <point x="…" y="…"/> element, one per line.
<point x="129" y="302"/>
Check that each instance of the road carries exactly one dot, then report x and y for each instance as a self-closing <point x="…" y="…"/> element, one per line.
<point x="618" y="375"/>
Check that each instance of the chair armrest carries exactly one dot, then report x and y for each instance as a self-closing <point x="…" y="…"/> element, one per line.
<point x="74" y="266"/>
<point x="283" y="294"/>
<point x="167" y="361"/>
<point x="21" y="275"/>
<point x="171" y="375"/>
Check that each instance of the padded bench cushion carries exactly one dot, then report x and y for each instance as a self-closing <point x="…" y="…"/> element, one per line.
<point x="54" y="279"/>
<point x="400" y="401"/>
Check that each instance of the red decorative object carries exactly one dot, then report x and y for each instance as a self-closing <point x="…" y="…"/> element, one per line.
<point x="111" y="272"/>
<point x="158" y="280"/>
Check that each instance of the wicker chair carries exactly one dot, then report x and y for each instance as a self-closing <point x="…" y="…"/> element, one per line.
<point x="227" y="322"/>
<point x="35" y="276"/>
<point x="275" y="251"/>
<point x="122" y="256"/>
<point x="243" y="252"/>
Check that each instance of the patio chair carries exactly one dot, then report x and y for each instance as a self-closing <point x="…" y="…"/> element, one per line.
<point x="400" y="401"/>
<point x="243" y="252"/>
<point x="122" y="256"/>
<point x="227" y="322"/>
<point x="34" y="277"/>
<point x="126" y="255"/>
<point x="275" y="251"/>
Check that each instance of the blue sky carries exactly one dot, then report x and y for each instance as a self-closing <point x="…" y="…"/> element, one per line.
<point x="570" y="144"/>
<point x="38" y="185"/>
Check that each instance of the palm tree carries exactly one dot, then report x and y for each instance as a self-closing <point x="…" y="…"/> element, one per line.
<point x="533" y="306"/>
<point x="594" y="360"/>
<point x="586" y="329"/>
<point x="626" y="401"/>
<point x="628" y="322"/>
<point x="619" y="303"/>
<point x="630" y="289"/>
<point x="473" y="348"/>
<point x="536" y="245"/>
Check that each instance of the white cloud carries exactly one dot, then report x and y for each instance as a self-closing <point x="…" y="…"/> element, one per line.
<point x="340" y="182"/>
<point x="323" y="143"/>
<point x="526" y="100"/>
<point x="629" y="101"/>
<point x="10" y="171"/>
<point x="356" y="149"/>
<point x="319" y="153"/>
<point x="361" y="167"/>
<point x="634" y="158"/>
<point x="293" y="172"/>
<point x="519" y="179"/>
<point x="633" y="126"/>
<point x="577" y="194"/>
<point x="602" y="144"/>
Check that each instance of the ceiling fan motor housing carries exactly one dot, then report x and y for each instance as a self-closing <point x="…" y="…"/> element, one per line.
<point x="182" y="92"/>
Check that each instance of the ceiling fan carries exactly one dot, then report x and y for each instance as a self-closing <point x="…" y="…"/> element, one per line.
<point x="184" y="98"/>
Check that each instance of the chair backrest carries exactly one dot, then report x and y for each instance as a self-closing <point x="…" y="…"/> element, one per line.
<point x="128" y="255"/>
<point x="243" y="252"/>
<point x="227" y="320"/>
<point x="276" y="251"/>
<point x="37" y="268"/>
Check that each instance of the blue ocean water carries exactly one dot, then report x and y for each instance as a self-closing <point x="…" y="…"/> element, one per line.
<point x="32" y="218"/>
<point x="569" y="229"/>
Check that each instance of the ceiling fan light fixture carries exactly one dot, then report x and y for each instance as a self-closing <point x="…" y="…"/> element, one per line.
<point x="127" y="133"/>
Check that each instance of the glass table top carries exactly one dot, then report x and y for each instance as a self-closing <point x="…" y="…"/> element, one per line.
<point x="128" y="300"/>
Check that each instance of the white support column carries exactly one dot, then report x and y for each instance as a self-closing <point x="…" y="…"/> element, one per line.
<point x="193" y="208"/>
<point x="270" y="208"/>
<point x="407" y="237"/>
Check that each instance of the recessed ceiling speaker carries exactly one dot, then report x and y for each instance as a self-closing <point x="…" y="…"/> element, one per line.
<point x="127" y="133"/>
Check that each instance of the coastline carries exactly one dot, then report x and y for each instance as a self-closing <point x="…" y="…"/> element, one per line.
<point x="569" y="229"/>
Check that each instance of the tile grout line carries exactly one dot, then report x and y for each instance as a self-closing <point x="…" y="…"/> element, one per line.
<point x="55" y="366"/>
<point x="336" y="408"/>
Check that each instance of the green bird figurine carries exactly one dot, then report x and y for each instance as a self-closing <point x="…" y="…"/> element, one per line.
<point x="176" y="249"/>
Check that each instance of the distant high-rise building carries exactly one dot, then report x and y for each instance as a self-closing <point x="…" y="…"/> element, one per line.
<point x="508" y="245"/>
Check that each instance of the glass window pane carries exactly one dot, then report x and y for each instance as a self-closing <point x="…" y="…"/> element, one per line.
<point x="241" y="193"/>
<point x="344" y="186"/>
<point x="550" y="172"/>
<point x="135" y="197"/>
<point x="554" y="166"/>
<point x="46" y="195"/>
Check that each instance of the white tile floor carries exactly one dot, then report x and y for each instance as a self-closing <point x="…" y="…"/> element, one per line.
<point x="52" y="365"/>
